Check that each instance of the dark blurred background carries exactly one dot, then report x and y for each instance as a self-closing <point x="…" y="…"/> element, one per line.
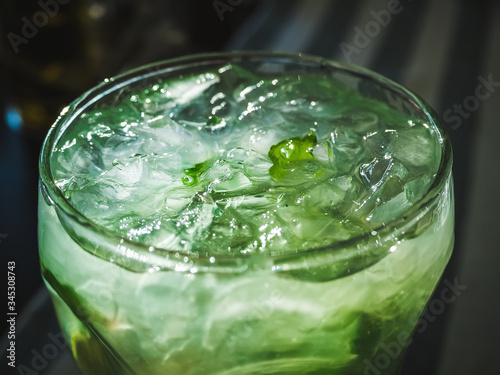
<point x="447" y="51"/>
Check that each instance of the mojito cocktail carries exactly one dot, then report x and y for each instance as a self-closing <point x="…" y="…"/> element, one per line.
<point x="244" y="213"/>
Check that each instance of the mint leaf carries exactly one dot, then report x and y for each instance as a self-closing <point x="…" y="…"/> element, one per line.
<point x="193" y="174"/>
<point x="214" y="120"/>
<point x="289" y="153"/>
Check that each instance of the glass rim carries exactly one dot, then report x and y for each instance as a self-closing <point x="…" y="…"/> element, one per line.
<point x="383" y="232"/>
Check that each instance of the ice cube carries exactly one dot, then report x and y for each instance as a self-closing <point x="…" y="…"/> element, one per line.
<point x="222" y="177"/>
<point x="321" y="152"/>
<point x="382" y="179"/>
<point x="262" y="138"/>
<point x="345" y="149"/>
<point x="255" y="165"/>
<point x="229" y="231"/>
<point x="120" y="146"/>
<point x="389" y="210"/>
<point x="77" y="158"/>
<point x="324" y="196"/>
<point x="98" y="201"/>
<point x="415" y="147"/>
<point x="298" y="113"/>
<point x="127" y="172"/>
<point x="226" y="177"/>
<point x="179" y="141"/>
<point x="172" y="97"/>
<point x="304" y="230"/>
<point x="373" y="173"/>
<point x="376" y="142"/>
<point x="416" y="188"/>
<point x="192" y="222"/>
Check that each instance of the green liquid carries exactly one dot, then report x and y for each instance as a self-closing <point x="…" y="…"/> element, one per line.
<point x="229" y="164"/>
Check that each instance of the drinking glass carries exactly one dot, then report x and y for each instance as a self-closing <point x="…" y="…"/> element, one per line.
<point x="341" y="295"/>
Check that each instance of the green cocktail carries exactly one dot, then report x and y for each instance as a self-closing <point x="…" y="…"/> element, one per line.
<point x="244" y="213"/>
